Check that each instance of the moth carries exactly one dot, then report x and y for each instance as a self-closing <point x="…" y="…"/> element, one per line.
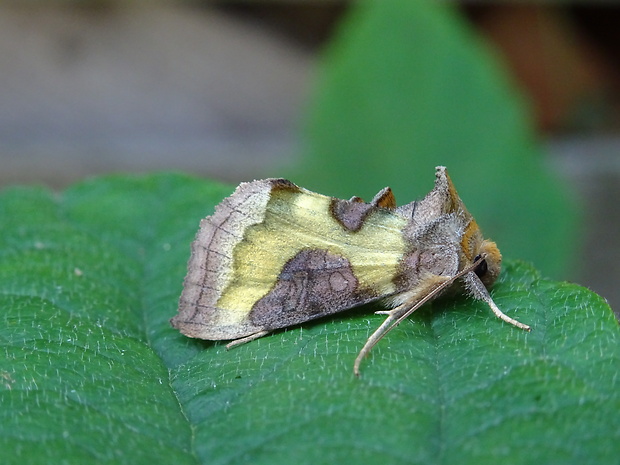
<point x="275" y="255"/>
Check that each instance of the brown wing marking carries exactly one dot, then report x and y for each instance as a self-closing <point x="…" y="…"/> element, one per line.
<point x="312" y="284"/>
<point x="352" y="213"/>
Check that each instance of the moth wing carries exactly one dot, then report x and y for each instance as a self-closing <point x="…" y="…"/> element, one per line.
<point x="275" y="255"/>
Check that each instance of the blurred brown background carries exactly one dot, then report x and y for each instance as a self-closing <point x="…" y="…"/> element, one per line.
<point x="218" y="91"/>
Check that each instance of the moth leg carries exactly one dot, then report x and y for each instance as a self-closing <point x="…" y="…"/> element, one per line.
<point x="243" y="340"/>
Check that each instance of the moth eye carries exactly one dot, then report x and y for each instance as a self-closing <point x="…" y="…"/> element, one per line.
<point x="482" y="267"/>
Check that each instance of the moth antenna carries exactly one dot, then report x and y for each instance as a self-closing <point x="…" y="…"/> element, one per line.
<point x="375" y="337"/>
<point x="395" y="317"/>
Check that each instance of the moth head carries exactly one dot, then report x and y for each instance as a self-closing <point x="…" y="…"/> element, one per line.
<point x="490" y="262"/>
<point x="475" y="248"/>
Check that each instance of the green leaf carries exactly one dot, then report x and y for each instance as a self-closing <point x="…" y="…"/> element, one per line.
<point x="92" y="372"/>
<point x="406" y="86"/>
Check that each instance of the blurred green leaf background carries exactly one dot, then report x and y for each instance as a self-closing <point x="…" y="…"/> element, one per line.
<point x="406" y="86"/>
